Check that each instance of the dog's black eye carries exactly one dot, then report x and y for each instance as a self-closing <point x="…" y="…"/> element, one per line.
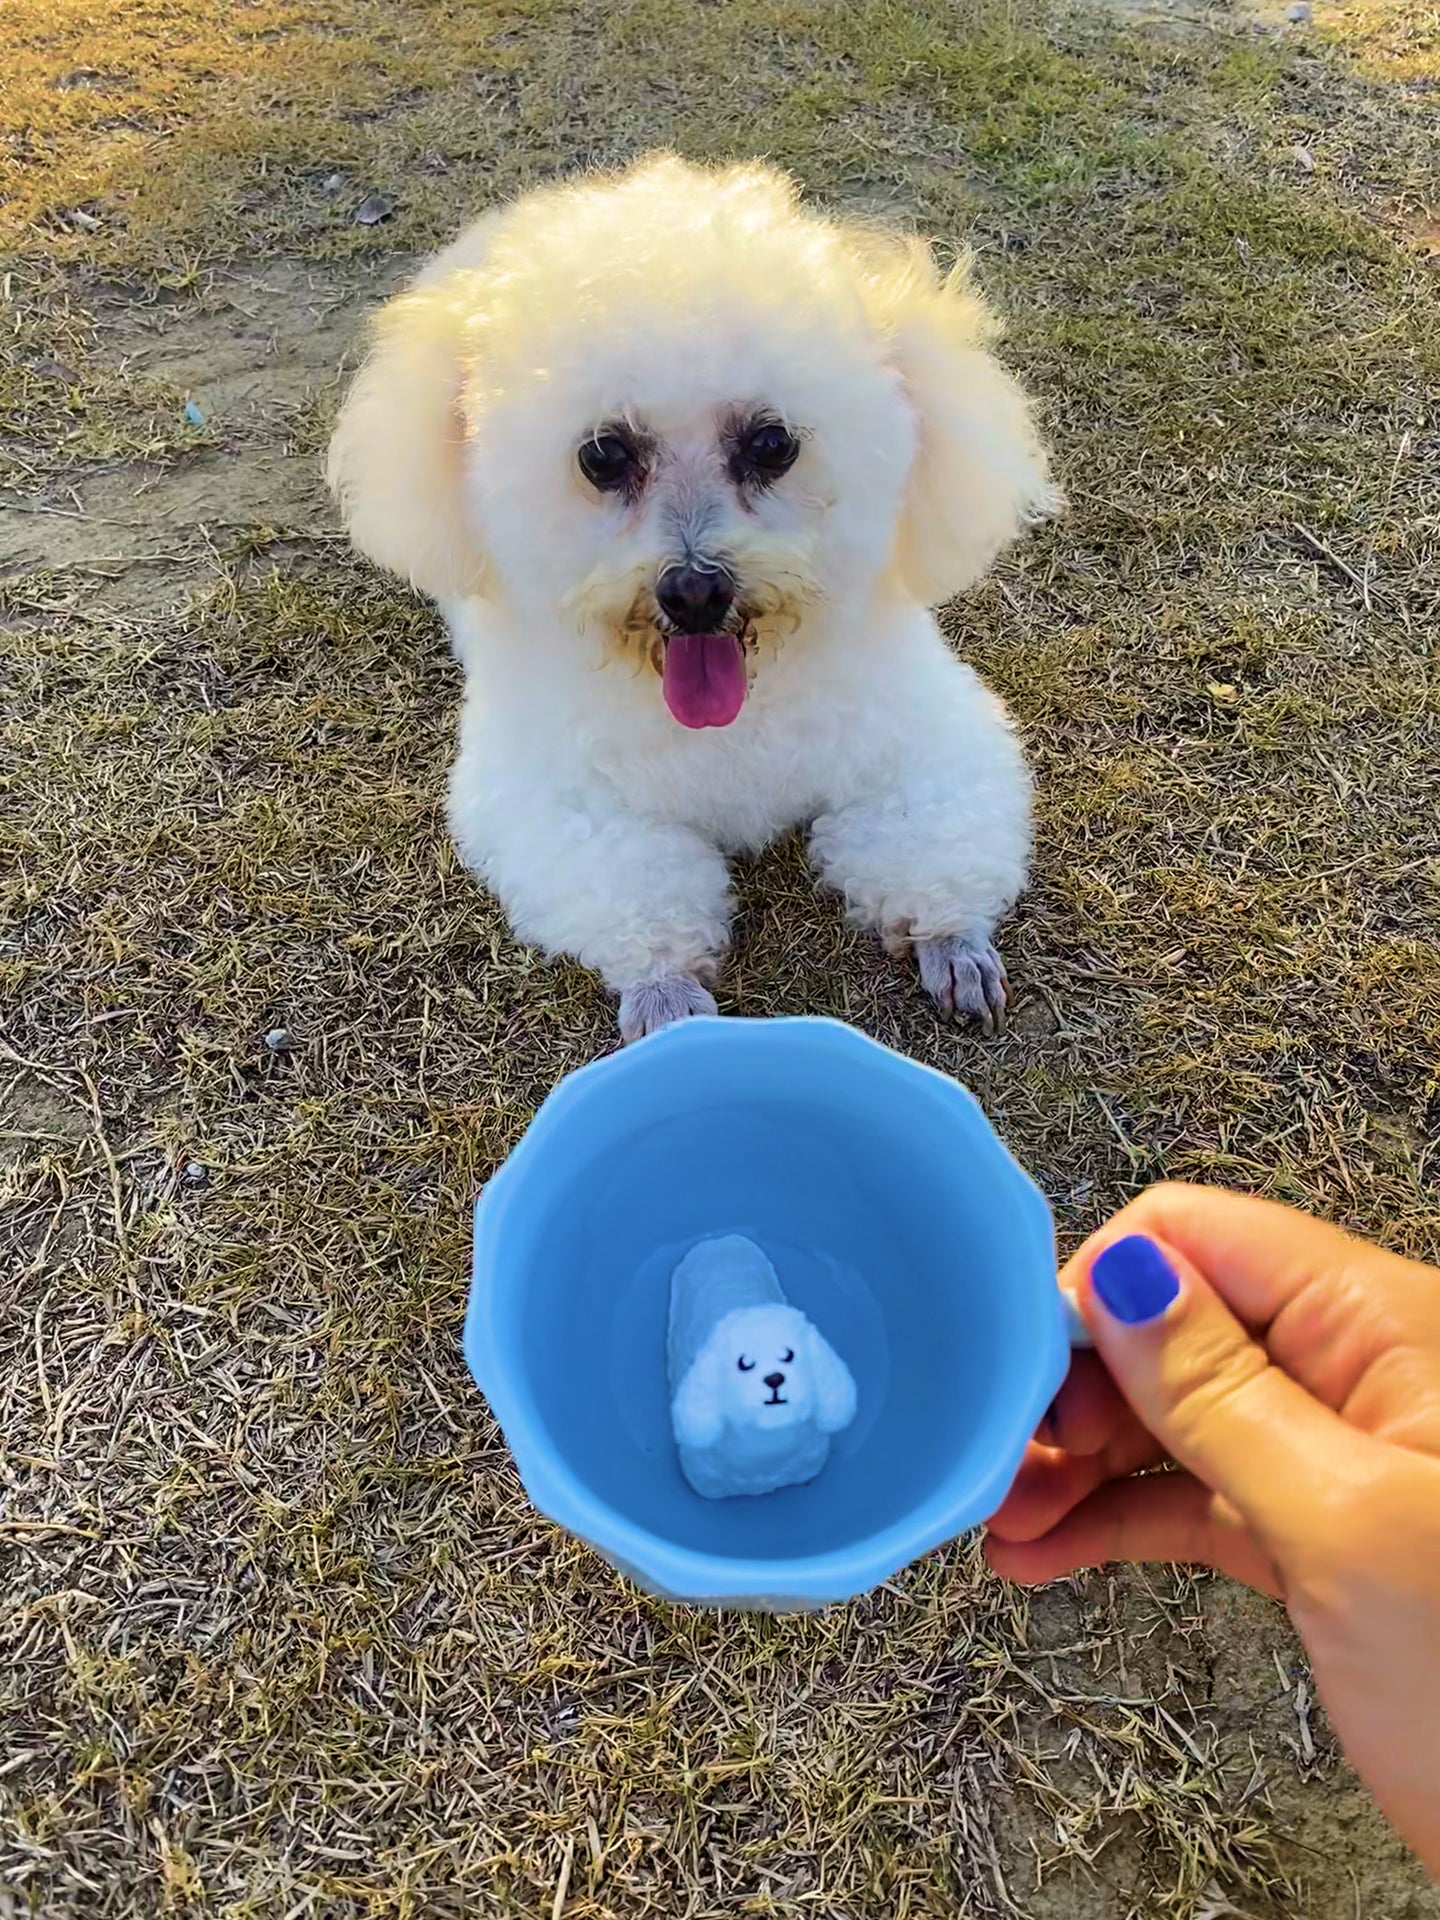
<point x="746" y="1366"/>
<point x="608" y="462"/>
<point x="766" y="451"/>
<point x="787" y="1356"/>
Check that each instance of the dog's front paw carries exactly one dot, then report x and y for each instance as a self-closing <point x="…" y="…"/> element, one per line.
<point x="965" y="978"/>
<point x="652" y="1004"/>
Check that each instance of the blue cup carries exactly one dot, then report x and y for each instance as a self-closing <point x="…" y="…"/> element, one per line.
<point x="895" y="1220"/>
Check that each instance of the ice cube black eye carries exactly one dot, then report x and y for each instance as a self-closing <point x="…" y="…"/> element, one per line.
<point x="608" y="462"/>
<point x="746" y="1366"/>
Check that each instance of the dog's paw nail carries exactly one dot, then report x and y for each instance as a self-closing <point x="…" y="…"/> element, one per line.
<point x="965" y="981"/>
<point x="652" y="1004"/>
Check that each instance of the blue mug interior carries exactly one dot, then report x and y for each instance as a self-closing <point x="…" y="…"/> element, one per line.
<point x="931" y="1277"/>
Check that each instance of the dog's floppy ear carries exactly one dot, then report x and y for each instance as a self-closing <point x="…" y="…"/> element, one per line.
<point x="980" y="474"/>
<point x="834" y="1387"/>
<point x="395" y="457"/>
<point x="696" y="1413"/>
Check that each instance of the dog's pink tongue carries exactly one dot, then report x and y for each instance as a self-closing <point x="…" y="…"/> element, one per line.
<point x="704" y="678"/>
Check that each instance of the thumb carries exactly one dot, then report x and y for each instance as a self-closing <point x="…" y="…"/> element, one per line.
<point x="1210" y="1393"/>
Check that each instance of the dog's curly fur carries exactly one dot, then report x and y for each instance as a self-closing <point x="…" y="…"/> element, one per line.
<point x="675" y="300"/>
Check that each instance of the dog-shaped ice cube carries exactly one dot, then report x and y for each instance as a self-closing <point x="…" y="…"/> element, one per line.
<point x="756" y="1390"/>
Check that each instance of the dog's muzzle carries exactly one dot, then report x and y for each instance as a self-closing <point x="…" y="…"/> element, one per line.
<point x="704" y="671"/>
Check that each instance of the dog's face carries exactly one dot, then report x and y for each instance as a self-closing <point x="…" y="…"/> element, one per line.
<point x="670" y="414"/>
<point x="763" y="1371"/>
<point x="689" y="478"/>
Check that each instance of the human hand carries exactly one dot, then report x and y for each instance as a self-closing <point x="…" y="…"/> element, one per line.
<point x="1289" y="1377"/>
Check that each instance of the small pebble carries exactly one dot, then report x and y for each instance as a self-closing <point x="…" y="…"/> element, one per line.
<point x="372" y="210"/>
<point x="195" y="1170"/>
<point x="279" y="1040"/>
<point x="1303" y="159"/>
<point x="1298" y="13"/>
<point x="334" y="183"/>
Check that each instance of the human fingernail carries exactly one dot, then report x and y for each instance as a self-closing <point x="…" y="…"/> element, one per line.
<point x="1133" y="1280"/>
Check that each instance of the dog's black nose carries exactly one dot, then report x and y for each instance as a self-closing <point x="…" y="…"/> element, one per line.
<point x="695" y="599"/>
<point x="774" y="1381"/>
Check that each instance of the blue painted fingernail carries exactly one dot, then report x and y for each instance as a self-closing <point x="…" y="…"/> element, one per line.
<point x="1134" y="1281"/>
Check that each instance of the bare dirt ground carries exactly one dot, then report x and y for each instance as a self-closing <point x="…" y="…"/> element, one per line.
<point x="281" y="1636"/>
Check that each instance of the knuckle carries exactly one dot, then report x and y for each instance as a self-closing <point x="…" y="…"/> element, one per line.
<point x="1208" y="1378"/>
<point x="1164" y="1198"/>
<point x="1168" y="1191"/>
<point x="1163" y="1206"/>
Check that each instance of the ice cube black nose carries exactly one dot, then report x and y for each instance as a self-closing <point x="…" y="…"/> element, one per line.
<point x="774" y="1381"/>
<point x="695" y="599"/>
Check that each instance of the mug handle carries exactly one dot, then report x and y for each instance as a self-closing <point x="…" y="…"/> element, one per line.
<point x="1076" y="1330"/>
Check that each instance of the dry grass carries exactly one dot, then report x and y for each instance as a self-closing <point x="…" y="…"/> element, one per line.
<point x="280" y="1635"/>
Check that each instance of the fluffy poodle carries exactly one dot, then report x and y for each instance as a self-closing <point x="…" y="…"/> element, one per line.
<point x="756" y="1389"/>
<point x="685" y="466"/>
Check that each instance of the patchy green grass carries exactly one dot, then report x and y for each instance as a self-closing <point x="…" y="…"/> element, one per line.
<point x="283" y="1637"/>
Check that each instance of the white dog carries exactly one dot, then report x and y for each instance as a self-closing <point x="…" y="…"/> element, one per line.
<point x="685" y="466"/>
